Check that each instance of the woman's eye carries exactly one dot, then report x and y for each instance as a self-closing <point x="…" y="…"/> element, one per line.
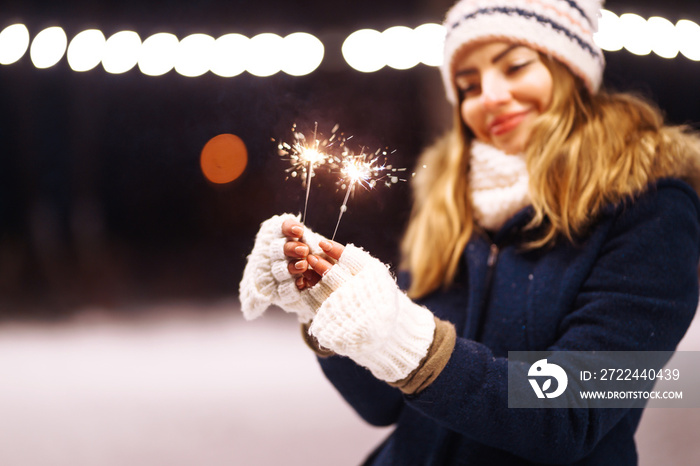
<point x="518" y="66"/>
<point x="468" y="90"/>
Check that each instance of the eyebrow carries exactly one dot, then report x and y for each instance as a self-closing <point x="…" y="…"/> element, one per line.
<point x="494" y="60"/>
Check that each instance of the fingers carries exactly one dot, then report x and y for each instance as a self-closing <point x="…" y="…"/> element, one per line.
<point x="333" y="249"/>
<point x="318" y="264"/>
<point x="298" y="264"/>
<point x="309" y="270"/>
<point x="307" y="267"/>
<point x="310" y="278"/>
<point x="296" y="250"/>
<point x="297" y="267"/>
<point x="307" y="279"/>
<point x="292" y="229"/>
<point x="300" y="259"/>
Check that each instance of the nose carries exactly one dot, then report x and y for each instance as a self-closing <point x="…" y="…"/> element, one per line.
<point x="495" y="91"/>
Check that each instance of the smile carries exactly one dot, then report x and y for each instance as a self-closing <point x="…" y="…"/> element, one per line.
<point x="505" y="123"/>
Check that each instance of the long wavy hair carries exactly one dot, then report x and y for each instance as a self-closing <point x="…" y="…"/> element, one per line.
<point x="585" y="152"/>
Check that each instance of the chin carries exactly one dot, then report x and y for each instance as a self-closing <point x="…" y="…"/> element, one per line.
<point x="512" y="146"/>
<point x="510" y="149"/>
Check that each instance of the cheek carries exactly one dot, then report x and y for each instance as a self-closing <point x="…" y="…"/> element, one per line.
<point x="544" y="94"/>
<point x="470" y="116"/>
<point x="550" y="96"/>
<point x="543" y="89"/>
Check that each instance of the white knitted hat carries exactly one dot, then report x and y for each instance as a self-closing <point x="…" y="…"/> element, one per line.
<point x="562" y="29"/>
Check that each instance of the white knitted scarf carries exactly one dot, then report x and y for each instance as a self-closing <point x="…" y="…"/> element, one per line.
<point x="498" y="183"/>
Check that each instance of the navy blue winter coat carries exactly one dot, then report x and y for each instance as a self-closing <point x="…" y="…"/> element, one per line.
<point x="631" y="285"/>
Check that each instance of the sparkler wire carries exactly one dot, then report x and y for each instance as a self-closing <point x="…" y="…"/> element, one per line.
<point x="344" y="207"/>
<point x="309" y="174"/>
<point x="365" y="169"/>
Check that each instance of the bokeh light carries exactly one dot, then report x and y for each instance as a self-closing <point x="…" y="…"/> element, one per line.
<point x="265" y="54"/>
<point x="400" y="48"/>
<point x="430" y="41"/>
<point x="689" y="38"/>
<point x="224" y="158"/>
<point x="85" y="50"/>
<point x="303" y="53"/>
<point x="665" y="42"/>
<point x="121" y="52"/>
<point x="637" y="38"/>
<point x="194" y="55"/>
<point x="230" y="55"/>
<point x="48" y="47"/>
<point x="14" y="42"/>
<point x="363" y="51"/>
<point x="158" y="54"/>
<point x="299" y="54"/>
<point x="610" y="36"/>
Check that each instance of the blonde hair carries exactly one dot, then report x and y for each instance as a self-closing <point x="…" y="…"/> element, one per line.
<point x="585" y="152"/>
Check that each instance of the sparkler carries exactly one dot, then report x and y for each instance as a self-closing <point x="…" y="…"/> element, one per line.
<point x="365" y="170"/>
<point x="304" y="157"/>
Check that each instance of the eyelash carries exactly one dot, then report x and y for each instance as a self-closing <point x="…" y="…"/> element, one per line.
<point x="515" y="68"/>
<point x="509" y="71"/>
<point x="464" y="91"/>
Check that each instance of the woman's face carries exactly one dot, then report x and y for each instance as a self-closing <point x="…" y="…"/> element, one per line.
<point x="504" y="87"/>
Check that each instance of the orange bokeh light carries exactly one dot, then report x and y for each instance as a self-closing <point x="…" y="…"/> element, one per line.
<point x="224" y="158"/>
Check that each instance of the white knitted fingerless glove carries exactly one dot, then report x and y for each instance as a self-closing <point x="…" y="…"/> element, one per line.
<point x="266" y="278"/>
<point x="369" y="319"/>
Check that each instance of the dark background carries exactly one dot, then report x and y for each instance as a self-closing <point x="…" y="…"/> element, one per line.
<point x="102" y="200"/>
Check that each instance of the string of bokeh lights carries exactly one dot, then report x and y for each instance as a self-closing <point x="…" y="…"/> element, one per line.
<point x="299" y="54"/>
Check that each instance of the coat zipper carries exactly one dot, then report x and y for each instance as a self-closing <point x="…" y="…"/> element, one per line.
<point x="493" y="257"/>
<point x="491" y="265"/>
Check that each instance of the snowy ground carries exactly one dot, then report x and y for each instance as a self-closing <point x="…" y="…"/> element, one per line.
<point x="187" y="385"/>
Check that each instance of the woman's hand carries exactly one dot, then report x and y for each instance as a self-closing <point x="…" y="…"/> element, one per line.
<point x="362" y="314"/>
<point x="308" y="268"/>
<point x="266" y="278"/>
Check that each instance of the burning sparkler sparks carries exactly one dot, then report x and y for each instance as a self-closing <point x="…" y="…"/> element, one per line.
<point x="365" y="170"/>
<point x="305" y="157"/>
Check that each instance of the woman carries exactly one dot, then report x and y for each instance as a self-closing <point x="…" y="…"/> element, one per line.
<point x="553" y="216"/>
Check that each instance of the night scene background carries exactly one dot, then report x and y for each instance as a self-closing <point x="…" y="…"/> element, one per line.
<point x="104" y="209"/>
<point x="102" y="198"/>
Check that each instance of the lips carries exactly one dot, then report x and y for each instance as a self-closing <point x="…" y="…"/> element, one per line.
<point x="507" y="122"/>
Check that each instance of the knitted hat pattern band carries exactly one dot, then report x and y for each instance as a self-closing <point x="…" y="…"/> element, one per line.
<point x="562" y="29"/>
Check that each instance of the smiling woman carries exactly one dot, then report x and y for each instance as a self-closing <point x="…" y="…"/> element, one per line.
<point x="541" y="223"/>
<point x="503" y="88"/>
